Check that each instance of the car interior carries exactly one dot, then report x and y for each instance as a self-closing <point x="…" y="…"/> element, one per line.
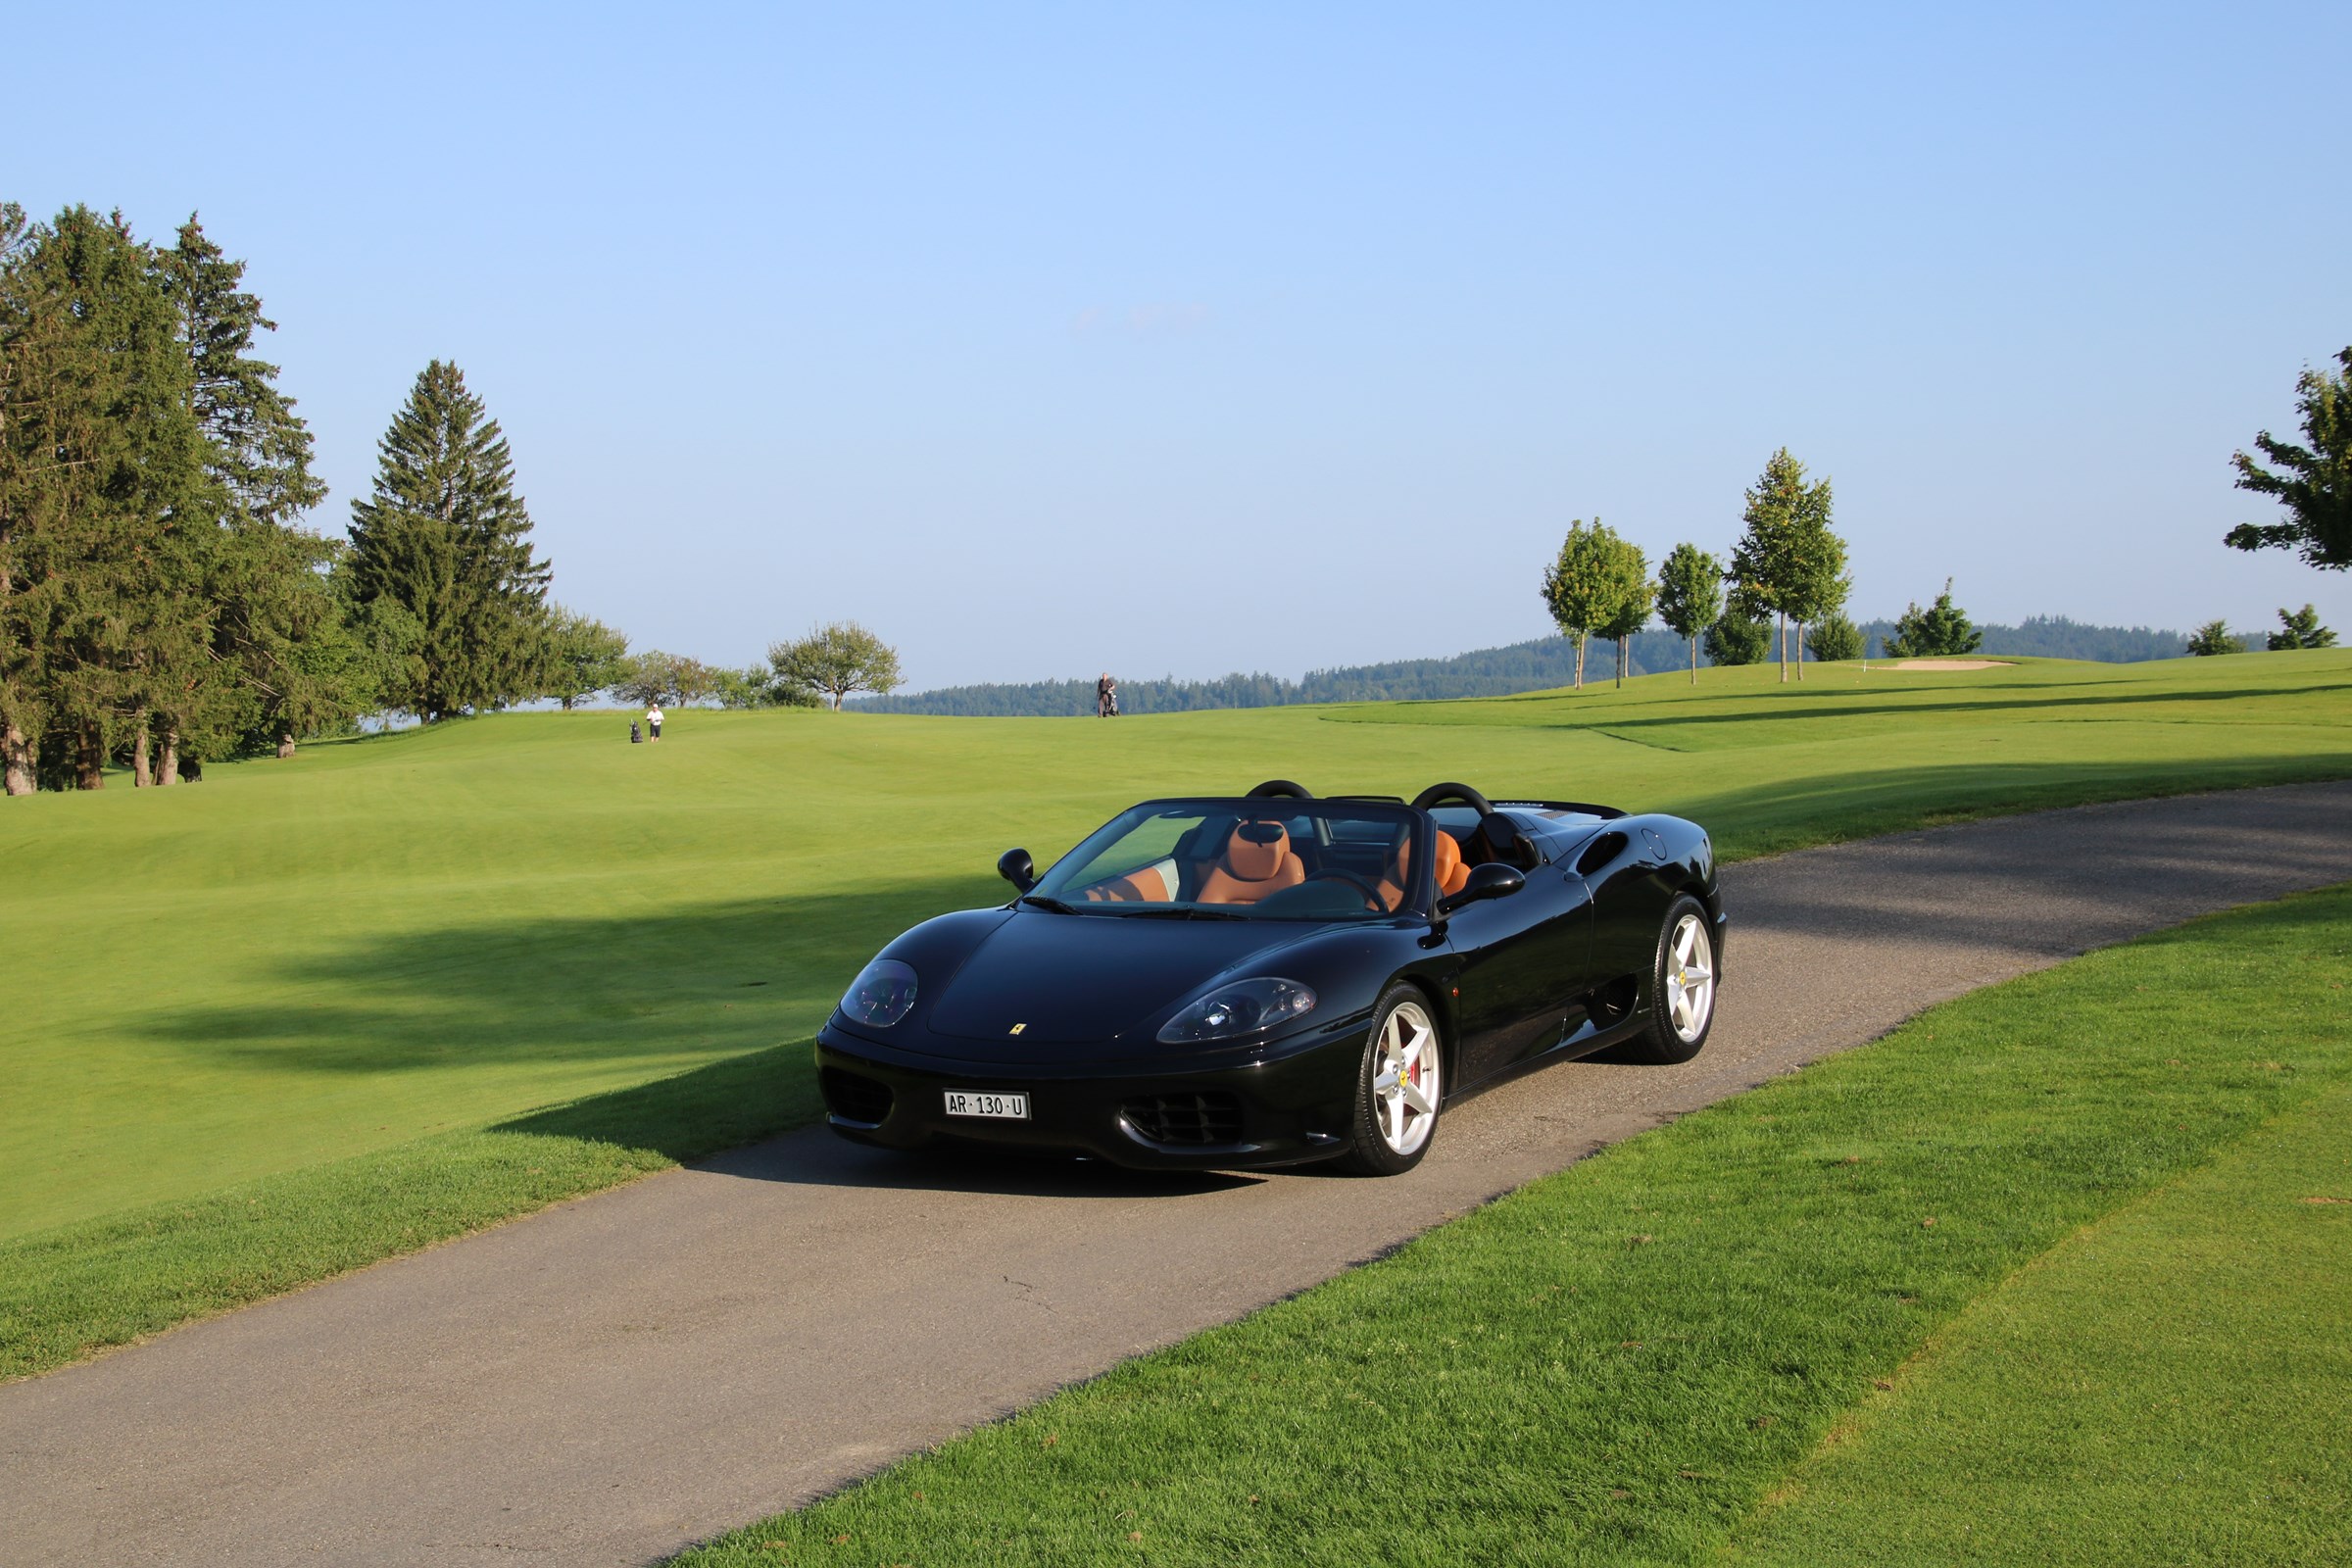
<point x="1314" y="863"/>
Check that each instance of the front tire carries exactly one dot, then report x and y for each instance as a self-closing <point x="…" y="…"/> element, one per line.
<point x="1682" y="989"/>
<point x="1399" y="1087"/>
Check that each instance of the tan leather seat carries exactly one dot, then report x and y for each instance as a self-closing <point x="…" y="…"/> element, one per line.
<point x="1451" y="872"/>
<point x="1249" y="868"/>
<point x="1153" y="884"/>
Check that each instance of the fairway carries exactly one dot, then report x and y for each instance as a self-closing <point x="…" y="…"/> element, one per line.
<point x="423" y="934"/>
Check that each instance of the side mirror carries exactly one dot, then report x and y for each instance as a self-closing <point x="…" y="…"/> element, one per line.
<point x="1493" y="880"/>
<point x="1015" y="867"/>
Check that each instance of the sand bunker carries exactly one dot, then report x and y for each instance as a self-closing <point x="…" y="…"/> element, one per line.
<point x="1953" y="663"/>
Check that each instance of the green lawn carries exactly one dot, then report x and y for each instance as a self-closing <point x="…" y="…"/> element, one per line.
<point x="364" y="971"/>
<point x="2036" y="1279"/>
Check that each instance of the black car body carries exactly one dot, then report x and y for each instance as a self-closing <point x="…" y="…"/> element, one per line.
<point x="1061" y="1009"/>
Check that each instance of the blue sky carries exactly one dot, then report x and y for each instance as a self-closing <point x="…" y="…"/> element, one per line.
<point x="1045" y="339"/>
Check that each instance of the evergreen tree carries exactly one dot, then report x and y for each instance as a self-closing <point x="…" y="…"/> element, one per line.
<point x="446" y="538"/>
<point x="2301" y="629"/>
<point x="1586" y="587"/>
<point x="1738" y="639"/>
<point x="2214" y="638"/>
<point x="1689" y="595"/>
<point x="296" y="668"/>
<point x="103" y="500"/>
<point x="2316" y="486"/>
<point x="1780" y="565"/>
<point x="1940" y="631"/>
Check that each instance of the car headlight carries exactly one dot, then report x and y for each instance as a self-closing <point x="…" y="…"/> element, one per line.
<point x="882" y="994"/>
<point x="1242" y="1007"/>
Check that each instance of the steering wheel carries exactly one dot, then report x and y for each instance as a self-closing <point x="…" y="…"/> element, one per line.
<point x="1372" y="898"/>
<point x="1280" y="789"/>
<point x="1440" y="794"/>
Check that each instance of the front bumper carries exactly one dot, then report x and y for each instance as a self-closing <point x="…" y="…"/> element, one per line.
<point x="1286" y="1109"/>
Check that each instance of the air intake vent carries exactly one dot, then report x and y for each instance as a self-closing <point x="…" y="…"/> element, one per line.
<point x="854" y="1097"/>
<point x="1194" y="1119"/>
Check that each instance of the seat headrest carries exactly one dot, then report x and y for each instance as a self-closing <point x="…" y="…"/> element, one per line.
<point x="1255" y="851"/>
<point x="1449" y="856"/>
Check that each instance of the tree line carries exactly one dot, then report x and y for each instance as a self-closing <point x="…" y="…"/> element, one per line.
<point x="162" y="602"/>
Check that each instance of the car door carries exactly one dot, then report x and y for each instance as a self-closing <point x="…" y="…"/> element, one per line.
<point x="1625" y="866"/>
<point x="1521" y="961"/>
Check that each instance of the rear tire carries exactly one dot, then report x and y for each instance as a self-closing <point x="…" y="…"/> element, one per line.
<point x="1399" y="1087"/>
<point x="1682" y="989"/>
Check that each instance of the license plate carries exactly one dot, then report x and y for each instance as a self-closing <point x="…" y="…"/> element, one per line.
<point x="1011" y="1107"/>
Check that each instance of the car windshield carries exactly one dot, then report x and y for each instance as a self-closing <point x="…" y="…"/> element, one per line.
<point x="1272" y="860"/>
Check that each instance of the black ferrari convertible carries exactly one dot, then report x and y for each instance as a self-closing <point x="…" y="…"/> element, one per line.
<point x="1274" y="978"/>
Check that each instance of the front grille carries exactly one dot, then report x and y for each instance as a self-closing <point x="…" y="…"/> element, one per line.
<point x="1201" y="1118"/>
<point x="854" y="1097"/>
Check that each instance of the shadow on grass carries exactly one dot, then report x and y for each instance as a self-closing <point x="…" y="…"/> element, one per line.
<point x="704" y="980"/>
<point x="1777" y="706"/>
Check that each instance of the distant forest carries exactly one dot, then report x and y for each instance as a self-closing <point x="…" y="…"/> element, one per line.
<point x="1528" y="666"/>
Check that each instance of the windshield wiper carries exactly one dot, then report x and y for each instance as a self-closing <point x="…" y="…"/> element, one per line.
<point x="1040" y="900"/>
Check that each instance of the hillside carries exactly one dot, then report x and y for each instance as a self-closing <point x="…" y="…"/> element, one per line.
<point x="1528" y="666"/>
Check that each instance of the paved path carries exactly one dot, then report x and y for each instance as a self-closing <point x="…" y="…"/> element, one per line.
<point x="626" y="1374"/>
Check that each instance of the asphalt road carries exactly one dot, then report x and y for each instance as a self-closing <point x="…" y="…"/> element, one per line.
<point x="619" y="1376"/>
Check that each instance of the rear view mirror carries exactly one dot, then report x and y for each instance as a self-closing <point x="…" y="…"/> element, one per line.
<point x="1015" y="867"/>
<point x="1490" y="881"/>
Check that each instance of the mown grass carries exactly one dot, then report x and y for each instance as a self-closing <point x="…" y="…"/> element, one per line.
<point x="1621" y="1364"/>
<point x="384" y="947"/>
<point x="2170" y="1386"/>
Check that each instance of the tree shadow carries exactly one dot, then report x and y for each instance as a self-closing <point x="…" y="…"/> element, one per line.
<point x="710" y="979"/>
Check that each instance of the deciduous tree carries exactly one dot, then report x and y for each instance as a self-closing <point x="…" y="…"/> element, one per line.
<point x="835" y="660"/>
<point x="579" y="657"/>
<point x="1738" y="639"/>
<point x="1586" y="587"/>
<point x="1689" y="595"/>
<point x="1635" y="595"/>
<point x="656" y="678"/>
<point x="1783" y="563"/>
<point x="2314" y="482"/>
<point x="1833" y="639"/>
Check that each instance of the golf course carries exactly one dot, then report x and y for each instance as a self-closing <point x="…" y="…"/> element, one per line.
<point x="321" y="1012"/>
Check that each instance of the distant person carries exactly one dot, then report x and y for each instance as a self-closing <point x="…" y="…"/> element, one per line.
<point x="1102" y="695"/>
<point x="652" y="720"/>
<point x="636" y="735"/>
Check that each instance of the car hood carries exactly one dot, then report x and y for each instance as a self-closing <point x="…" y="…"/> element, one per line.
<point x="1045" y="979"/>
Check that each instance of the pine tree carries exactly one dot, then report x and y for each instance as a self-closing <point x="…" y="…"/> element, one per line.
<point x="1936" y="632"/>
<point x="446" y="538"/>
<point x="1689" y="595"/>
<point x="2301" y="629"/>
<point x="2314" y="482"/>
<point x="273" y="626"/>
<point x="104" y="496"/>
<point x="2213" y="639"/>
